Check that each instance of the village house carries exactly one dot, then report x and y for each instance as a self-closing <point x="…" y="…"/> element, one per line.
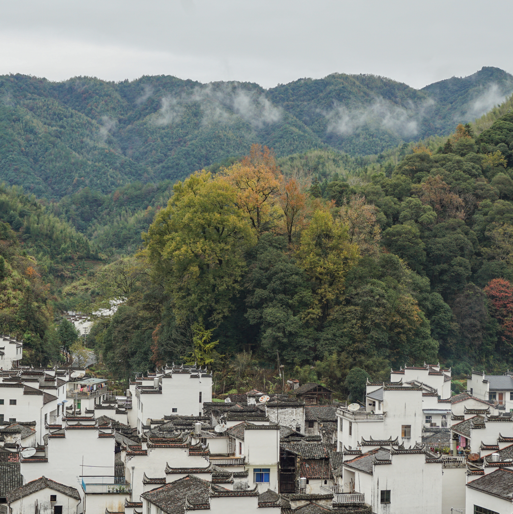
<point x="313" y="394"/>
<point x="490" y="494"/>
<point x="497" y="389"/>
<point x="432" y="375"/>
<point x="11" y="352"/>
<point x="44" y="496"/>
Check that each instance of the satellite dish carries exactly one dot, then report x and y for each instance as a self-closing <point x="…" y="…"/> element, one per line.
<point x="77" y="374"/>
<point x="227" y="400"/>
<point x="28" y="452"/>
<point x="354" y="407"/>
<point x="220" y="429"/>
<point x="264" y="399"/>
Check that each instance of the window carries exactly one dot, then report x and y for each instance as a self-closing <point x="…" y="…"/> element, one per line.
<point x="492" y="396"/>
<point x="12" y="420"/>
<point x="200" y="397"/>
<point x="240" y="448"/>
<point x="58" y="407"/>
<point x="350" y="428"/>
<point x="385" y="496"/>
<point x="482" y="510"/>
<point x="12" y="402"/>
<point x="511" y="396"/>
<point x="471" y="391"/>
<point x="53" y="497"/>
<point x="46" y="419"/>
<point x="261" y="475"/>
<point x="429" y="419"/>
<point x="1" y="418"/>
<point x="1" y="401"/>
<point x="174" y="409"/>
<point x="406" y="431"/>
<point x="311" y="424"/>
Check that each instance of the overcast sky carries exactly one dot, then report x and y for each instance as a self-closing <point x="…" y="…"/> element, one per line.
<point x="264" y="41"/>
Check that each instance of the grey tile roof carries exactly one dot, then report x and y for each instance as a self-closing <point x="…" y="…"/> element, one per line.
<point x="172" y="497"/>
<point x="500" y="382"/>
<point x="308" y="450"/>
<point x="321" y="413"/>
<point x="464" y="427"/>
<point x="39" y="485"/>
<point x="10" y="477"/>
<point x="376" y="395"/>
<point x="306" y="388"/>
<point x="499" y="483"/>
<point x="366" y="461"/>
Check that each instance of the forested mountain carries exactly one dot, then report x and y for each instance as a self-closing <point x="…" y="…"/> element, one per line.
<point x="59" y="138"/>
<point x="39" y="253"/>
<point x="389" y="268"/>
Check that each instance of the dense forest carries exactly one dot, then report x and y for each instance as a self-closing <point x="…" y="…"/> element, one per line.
<point x="326" y="262"/>
<point x="57" y="138"/>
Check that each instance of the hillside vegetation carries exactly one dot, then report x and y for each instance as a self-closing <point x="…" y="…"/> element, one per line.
<point x="57" y="138"/>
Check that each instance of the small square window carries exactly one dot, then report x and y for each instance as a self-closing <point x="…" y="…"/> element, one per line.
<point x="174" y="409"/>
<point x="385" y="496"/>
<point x="311" y="424"/>
<point x="12" y="402"/>
<point x="53" y="497"/>
<point x="261" y="475"/>
<point x="1" y="401"/>
<point x="429" y="419"/>
<point x="12" y="420"/>
<point x="492" y="396"/>
<point x="406" y="431"/>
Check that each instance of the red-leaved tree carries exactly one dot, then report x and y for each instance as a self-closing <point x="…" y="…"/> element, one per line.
<point x="500" y="293"/>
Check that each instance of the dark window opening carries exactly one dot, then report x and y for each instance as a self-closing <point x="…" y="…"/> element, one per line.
<point x="482" y="510"/>
<point x="200" y="397"/>
<point x="385" y="496"/>
<point x="311" y="424"/>
<point x="53" y="497"/>
<point x="174" y="409"/>
<point x="12" y="402"/>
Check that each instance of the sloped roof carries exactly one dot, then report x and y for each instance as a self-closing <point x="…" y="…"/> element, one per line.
<point x="499" y="483"/>
<point x="315" y="469"/>
<point x="464" y="427"/>
<point x="376" y="395"/>
<point x="321" y="412"/>
<point x="366" y="461"/>
<point x="309" y="450"/>
<point x="500" y="382"/>
<point x="457" y="398"/>
<point x="172" y="497"/>
<point x="40" y="484"/>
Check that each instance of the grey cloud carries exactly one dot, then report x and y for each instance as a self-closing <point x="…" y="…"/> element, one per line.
<point x="107" y="126"/>
<point x="400" y="120"/>
<point x="148" y="91"/>
<point x="491" y="97"/>
<point x="219" y="104"/>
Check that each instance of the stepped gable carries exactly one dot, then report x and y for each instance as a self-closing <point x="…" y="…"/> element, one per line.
<point x="39" y="485"/>
<point x="461" y="397"/>
<point x="153" y="481"/>
<point x="379" y="442"/>
<point x="189" y="471"/>
<point x="498" y="483"/>
<point x="505" y="456"/>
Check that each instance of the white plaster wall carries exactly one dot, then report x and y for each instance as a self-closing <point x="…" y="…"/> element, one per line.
<point x="453" y="489"/>
<point x="403" y="408"/>
<point x="479" y="388"/>
<point x="244" y="504"/>
<point x="314" y="486"/>
<point x="154" y="464"/>
<point x="415" y="486"/>
<point x="458" y="409"/>
<point x="487" y="501"/>
<point x="422" y="375"/>
<point x="66" y="455"/>
<point x="361" y="429"/>
<point x="29" y="407"/>
<point x="28" y="504"/>
<point x="97" y="503"/>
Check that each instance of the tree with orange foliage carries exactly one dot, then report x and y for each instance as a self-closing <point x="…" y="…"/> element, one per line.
<point x="293" y="202"/>
<point x="437" y="193"/>
<point x="257" y="180"/>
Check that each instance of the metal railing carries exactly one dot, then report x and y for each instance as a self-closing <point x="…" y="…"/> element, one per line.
<point x="228" y="461"/>
<point x="105" y="485"/>
<point x="360" y="415"/>
<point x="349" y="498"/>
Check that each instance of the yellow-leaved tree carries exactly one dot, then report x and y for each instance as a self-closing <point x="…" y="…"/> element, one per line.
<point x="326" y="254"/>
